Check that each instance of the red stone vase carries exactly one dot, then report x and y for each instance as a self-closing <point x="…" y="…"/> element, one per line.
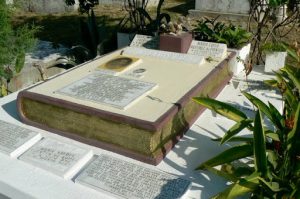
<point x="175" y="43"/>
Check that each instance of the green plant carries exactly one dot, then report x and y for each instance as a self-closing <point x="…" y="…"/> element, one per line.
<point x="14" y="43"/>
<point x="207" y="28"/>
<point x="213" y="31"/>
<point x="273" y="150"/>
<point x="233" y="36"/>
<point x="273" y="47"/>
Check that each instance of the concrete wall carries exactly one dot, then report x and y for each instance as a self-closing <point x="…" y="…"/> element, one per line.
<point x="223" y="6"/>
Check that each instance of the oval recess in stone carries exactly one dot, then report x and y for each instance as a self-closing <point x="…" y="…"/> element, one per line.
<point x="139" y="70"/>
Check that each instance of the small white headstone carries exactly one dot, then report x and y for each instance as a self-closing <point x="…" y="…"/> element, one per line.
<point x="275" y="61"/>
<point x="208" y="49"/>
<point x="14" y="140"/>
<point x="145" y="41"/>
<point x="62" y="159"/>
<point x="165" y="55"/>
<point x="128" y="180"/>
<point x="106" y="89"/>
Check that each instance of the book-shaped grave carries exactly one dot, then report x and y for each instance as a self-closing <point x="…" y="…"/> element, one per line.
<point x="141" y="112"/>
<point x="119" y="64"/>
<point x="128" y="180"/>
<point x="208" y="49"/>
<point x="107" y="89"/>
<point x="62" y="159"/>
<point x="14" y="140"/>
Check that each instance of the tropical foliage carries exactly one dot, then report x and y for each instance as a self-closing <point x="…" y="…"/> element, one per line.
<point x="13" y="45"/>
<point x="267" y="164"/>
<point x="213" y="31"/>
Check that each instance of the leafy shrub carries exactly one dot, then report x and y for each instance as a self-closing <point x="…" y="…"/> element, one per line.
<point x="13" y="43"/>
<point x="213" y="31"/>
<point x="274" y="149"/>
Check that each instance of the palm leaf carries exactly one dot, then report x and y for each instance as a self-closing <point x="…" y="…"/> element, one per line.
<point x="259" y="104"/>
<point x="274" y="187"/>
<point x="292" y="77"/>
<point x="292" y="53"/>
<point x="238" y="127"/>
<point x="271" y="82"/>
<point x="259" y="137"/>
<point x="277" y="118"/>
<point x="236" y="139"/>
<point x="240" y="188"/>
<point x="222" y="108"/>
<point x="226" y="175"/>
<point x="227" y="156"/>
<point x="273" y="136"/>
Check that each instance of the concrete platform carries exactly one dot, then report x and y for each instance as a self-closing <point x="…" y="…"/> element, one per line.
<point x="23" y="181"/>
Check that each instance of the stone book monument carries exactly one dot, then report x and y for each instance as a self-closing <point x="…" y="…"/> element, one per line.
<point x="135" y="101"/>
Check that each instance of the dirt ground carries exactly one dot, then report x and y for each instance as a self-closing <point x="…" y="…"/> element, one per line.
<point x="65" y="28"/>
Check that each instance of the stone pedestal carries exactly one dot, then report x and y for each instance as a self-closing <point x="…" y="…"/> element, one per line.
<point x="175" y="43"/>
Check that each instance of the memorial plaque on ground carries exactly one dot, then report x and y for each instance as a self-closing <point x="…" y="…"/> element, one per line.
<point x="164" y="55"/>
<point x="106" y="89"/>
<point x="14" y="140"/>
<point x="128" y="180"/>
<point x="145" y="41"/>
<point x="208" y="49"/>
<point x="62" y="159"/>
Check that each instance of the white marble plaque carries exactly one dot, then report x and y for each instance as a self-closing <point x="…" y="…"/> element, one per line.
<point x="165" y="55"/>
<point x="127" y="180"/>
<point x="106" y="89"/>
<point x="14" y="140"/>
<point x="145" y="41"/>
<point x="59" y="158"/>
<point x="208" y="49"/>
